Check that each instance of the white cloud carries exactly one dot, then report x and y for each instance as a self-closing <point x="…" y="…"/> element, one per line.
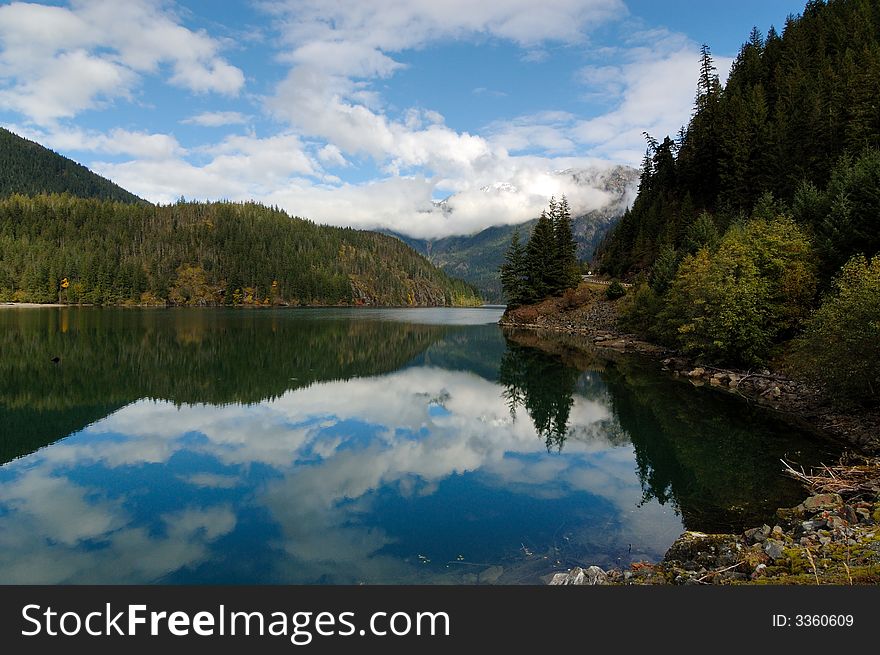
<point x="216" y="119"/>
<point x="239" y="168"/>
<point x="337" y="51"/>
<point x="331" y="155"/>
<point x="56" y="61"/>
<point x="655" y="88"/>
<point x="546" y="131"/>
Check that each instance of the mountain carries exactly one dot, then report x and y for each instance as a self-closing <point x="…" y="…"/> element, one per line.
<point x="82" y="250"/>
<point x="29" y="168"/>
<point x="69" y="235"/>
<point x="476" y="257"/>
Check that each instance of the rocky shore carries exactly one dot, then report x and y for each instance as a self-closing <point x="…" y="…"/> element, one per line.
<point x="832" y="537"/>
<point x="827" y="539"/>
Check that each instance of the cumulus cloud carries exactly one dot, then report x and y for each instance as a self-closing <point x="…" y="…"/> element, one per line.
<point x="653" y="89"/>
<point x="336" y="52"/>
<point x="238" y="168"/>
<point x="216" y="119"/>
<point x="339" y="58"/>
<point x="58" y="61"/>
<point x="117" y="141"/>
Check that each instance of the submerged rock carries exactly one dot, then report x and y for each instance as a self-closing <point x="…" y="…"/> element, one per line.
<point x="592" y="575"/>
<point x="491" y="575"/>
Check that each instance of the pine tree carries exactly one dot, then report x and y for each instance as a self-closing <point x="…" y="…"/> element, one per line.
<point x="566" y="269"/>
<point x="513" y="272"/>
<point x="540" y="254"/>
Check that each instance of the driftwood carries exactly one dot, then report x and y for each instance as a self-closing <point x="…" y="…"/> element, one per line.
<point x="844" y="479"/>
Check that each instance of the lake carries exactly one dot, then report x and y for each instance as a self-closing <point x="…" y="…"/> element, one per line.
<point x="335" y="446"/>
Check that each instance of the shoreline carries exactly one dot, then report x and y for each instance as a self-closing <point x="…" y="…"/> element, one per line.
<point x="37" y="305"/>
<point x="774" y="391"/>
<point x="832" y="537"/>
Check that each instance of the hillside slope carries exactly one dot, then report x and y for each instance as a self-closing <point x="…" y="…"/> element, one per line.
<point x="60" y="248"/>
<point x="29" y="168"/>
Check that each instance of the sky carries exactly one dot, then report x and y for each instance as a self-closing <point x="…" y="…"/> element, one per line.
<point x="364" y="113"/>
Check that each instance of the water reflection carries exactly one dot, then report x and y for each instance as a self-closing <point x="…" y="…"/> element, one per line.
<point x="322" y="448"/>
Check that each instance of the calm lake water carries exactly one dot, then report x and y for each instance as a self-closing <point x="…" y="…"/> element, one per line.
<point x="355" y="446"/>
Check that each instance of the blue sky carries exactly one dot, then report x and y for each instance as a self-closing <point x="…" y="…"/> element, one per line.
<point x="362" y="113"/>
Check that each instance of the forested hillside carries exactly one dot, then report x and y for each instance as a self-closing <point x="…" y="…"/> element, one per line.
<point x="797" y="108"/>
<point x="61" y="248"/>
<point x="753" y="231"/>
<point x="29" y="168"/>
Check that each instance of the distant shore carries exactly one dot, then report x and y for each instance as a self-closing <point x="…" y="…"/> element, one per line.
<point x="32" y="305"/>
<point x="27" y="305"/>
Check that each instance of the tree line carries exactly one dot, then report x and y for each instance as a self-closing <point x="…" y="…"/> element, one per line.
<point x="546" y="265"/>
<point x="59" y="248"/>
<point x="752" y="236"/>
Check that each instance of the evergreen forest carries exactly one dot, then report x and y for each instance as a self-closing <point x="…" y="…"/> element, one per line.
<point x="546" y="265"/>
<point x="754" y="237"/>
<point x="60" y="248"/>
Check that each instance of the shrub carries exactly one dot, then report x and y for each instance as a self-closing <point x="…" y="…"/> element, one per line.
<point x="734" y="304"/>
<point x="615" y="290"/>
<point x="841" y="345"/>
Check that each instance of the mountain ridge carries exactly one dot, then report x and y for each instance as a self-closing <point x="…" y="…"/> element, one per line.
<point x="476" y="257"/>
<point x="29" y="168"/>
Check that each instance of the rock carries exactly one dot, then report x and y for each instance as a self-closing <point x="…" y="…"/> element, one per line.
<point x="705" y="550"/>
<point x="822" y="502"/>
<point x="773" y="548"/>
<point x="806" y="527"/>
<point x="863" y="514"/>
<point x="791" y="514"/>
<point x="592" y="575"/>
<point x="697" y="373"/>
<point x="836" y="523"/>
<point x="758" y="534"/>
<point x="759" y="571"/>
<point x="716" y="382"/>
<point x="559" y="579"/>
<point x="777" y="532"/>
<point x="491" y="575"/>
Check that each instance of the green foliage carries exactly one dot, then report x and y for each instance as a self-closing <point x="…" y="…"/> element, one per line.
<point x="568" y="269"/>
<point x="615" y="290"/>
<point x="29" y="168"/>
<point x="639" y="314"/>
<point x="733" y="304"/>
<point x="548" y="265"/>
<point x="840" y="345"/>
<point x="513" y="272"/>
<point x="789" y="126"/>
<point x="851" y="220"/>
<point x="664" y="269"/>
<point x="702" y="233"/>
<point x="204" y="253"/>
